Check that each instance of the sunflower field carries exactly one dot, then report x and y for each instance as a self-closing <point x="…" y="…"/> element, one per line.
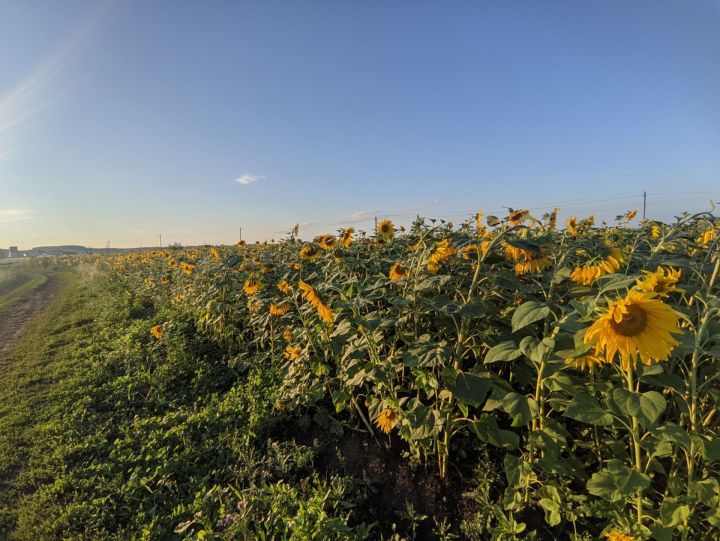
<point x="505" y="378"/>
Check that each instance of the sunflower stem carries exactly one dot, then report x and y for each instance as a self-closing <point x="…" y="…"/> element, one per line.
<point x="637" y="451"/>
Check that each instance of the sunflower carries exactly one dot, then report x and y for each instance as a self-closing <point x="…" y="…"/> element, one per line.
<point x="214" y="253"/>
<point x="618" y="536"/>
<point x="240" y="243"/>
<point x="326" y="242"/>
<point x="516" y="254"/>
<point x="587" y="274"/>
<point x="478" y="221"/>
<point x="187" y="268"/>
<point x="288" y="335"/>
<point x="157" y="332"/>
<point x="386" y="230"/>
<point x="655" y="231"/>
<point x="310" y="252"/>
<point x="346" y="236"/>
<point x="311" y="296"/>
<point x="707" y="237"/>
<point x="397" y="272"/>
<point x="638" y="326"/>
<point x="534" y="264"/>
<point x="253" y="305"/>
<point x="279" y="309"/>
<point x="516" y="217"/>
<point x="443" y="252"/>
<point x="571" y="225"/>
<point x="284" y="287"/>
<point x="629" y="216"/>
<point x="292" y="353"/>
<point x="251" y="286"/>
<point x="386" y="421"/>
<point x="552" y="221"/>
<point x="586" y="362"/>
<point x="661" y="282"/>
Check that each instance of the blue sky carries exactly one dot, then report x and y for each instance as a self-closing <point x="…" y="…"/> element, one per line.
<point x="121" y="121"/>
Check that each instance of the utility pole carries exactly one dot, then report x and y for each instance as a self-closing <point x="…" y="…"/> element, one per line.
<point x="160" y="240"/>
<point x="376" y="225"/>
<point x="241" y="234"/>
<point x="644" y="204"/>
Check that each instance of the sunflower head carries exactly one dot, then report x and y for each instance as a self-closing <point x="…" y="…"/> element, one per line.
<point x="310" y="252"/>
<point x="706" y="237"/>
<point x="292" y="353"/>
<point x="607" y="263"/>
<point x="397" y="272"/>
<point x="655" y="231"/>
<point x="386" y="420"/>
<point x="279" y="309"/>
<point x="251" y="286"/>
<point x="587" y="362"/>
<point x="346" y="236"/>
<point x="326" y="242"/>
<point x="629" y="216"/>
<point x="386" y="229"/>
<point x="516" y="217"/>
<point x="157" y="332"/>
<point x="661" y="282"/>
<point x="571" y="225"/>
<point x="639" y="326"/>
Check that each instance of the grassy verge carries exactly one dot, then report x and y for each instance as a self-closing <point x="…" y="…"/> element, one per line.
<point x="15" y="284"/>
<point x="44" y="356"/>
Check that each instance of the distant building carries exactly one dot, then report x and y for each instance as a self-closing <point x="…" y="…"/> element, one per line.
<point x="14" y="252"/>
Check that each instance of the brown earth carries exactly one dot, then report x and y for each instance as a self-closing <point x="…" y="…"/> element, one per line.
<point x="15" y="318"/>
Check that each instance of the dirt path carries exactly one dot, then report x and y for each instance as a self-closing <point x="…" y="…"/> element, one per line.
<point x="15" y="319"/>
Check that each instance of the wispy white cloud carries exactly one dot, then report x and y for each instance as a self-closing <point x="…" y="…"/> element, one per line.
<point x="248" y="179"/>
<point x="14" y="215"/>
<point x="27" y="97"/>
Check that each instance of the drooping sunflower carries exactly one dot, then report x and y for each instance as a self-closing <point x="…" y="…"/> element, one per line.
<point x="640" y="326"/>
<point x="397" y="272"/>
<point x="443" y="251"/>
<point x="251" y="286"/>
<point x="655" y="231"/>
<point x="586" y="362"/>
<point x="157" y="332"/>
<point x="478" y="221"/>
<point x="279" y="309"/>
<point x="292" y="353"/>
<point x="311" y="296"/>
<point x="629" y="216"/>
<point x="187" y="268"/>
<point x="386" y="420"/>
<point x="552" y="220"/>
<point x="254" y="306"/>
<point x="571" y="225"/>
<point x="532" y="265"/>
<point x="588" y="273"/>
<point x="310" y="252"/>
<point x="284" y="287"/>
<point x="214" y="254"/>
<point x="326" y="242"/>
<point x="386" y="230"/>
<point x="346" y="236"/>
<point x="661" y="282"/>
<point x="706" y="237"/>
<point x="288" y="335"/>
<point x="516" y="217"/>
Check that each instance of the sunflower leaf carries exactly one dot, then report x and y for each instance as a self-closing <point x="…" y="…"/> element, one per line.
<point x="527" y="313"/>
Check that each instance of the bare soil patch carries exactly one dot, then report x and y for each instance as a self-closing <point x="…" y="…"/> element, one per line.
<point x="16" y="318"/>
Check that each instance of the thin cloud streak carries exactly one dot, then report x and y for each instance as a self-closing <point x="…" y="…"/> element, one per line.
<point x="26" y="99"/>
<point x="248" y="179"/>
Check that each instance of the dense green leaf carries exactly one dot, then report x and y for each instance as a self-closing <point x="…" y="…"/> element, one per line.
<point x="527" y="313"/>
